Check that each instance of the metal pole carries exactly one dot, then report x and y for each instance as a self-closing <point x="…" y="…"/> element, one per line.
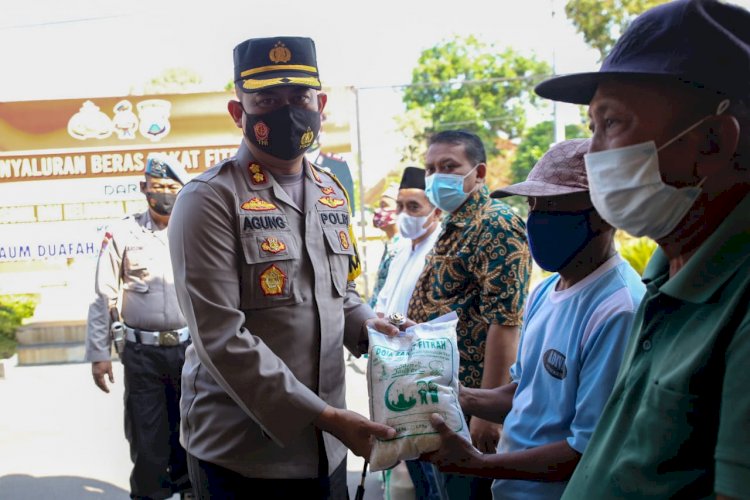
<point x="362" y="223"/>
<point x="558" y="127"/>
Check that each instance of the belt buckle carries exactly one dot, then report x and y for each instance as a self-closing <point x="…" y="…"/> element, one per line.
<point x="170" y="338"/>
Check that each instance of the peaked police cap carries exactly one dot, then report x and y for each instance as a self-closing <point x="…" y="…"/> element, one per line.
<point x="261" y="63"/>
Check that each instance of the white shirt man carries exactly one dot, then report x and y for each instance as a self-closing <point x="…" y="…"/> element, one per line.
<point x="419" y="226"/>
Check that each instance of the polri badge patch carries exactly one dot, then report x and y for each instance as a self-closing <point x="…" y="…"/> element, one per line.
<point x="272" y="281"/>
<point x="332" y="202"/>
<point x="327" y="190"/>
<point x="258" y="205"/>
<point x="273" y="245"/>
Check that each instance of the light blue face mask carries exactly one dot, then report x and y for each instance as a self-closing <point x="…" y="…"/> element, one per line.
<point x="446" y="191"/>
<point x="627" y="190"/>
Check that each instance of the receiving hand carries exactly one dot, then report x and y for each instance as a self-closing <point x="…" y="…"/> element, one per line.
<point x="484" y="434"/>
<point x="99" y="369"/>
<point x="455" y="454"/>
<point x="352" y="429"/>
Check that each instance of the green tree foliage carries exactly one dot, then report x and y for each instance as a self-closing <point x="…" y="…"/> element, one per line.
<point x="601" y="22"/>
<point x="13" y="310"/>
<point x="465" y="83"/>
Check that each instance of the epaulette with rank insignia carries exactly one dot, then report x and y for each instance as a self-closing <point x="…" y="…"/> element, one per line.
<point x="355" y="265"/>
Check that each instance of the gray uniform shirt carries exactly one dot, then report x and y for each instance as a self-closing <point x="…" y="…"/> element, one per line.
<point x="134" y="264"/>
<point x="266" y="291"/>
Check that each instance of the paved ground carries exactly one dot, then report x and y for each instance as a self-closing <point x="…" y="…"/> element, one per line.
<point x="61" y="438"/>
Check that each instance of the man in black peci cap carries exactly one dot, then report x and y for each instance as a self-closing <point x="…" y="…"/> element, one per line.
<point x="670" y="159"/>
<point x="265" y="262"/>
<point x="135" y="305"/>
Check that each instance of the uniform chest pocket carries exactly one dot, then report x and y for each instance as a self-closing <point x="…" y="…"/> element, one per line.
<point x="271" y="262"/>
<point x="340" y="252"/>
<point x="136" y="270"/>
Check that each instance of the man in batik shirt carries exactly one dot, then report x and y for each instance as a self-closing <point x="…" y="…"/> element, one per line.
<point x="479" y="268"/>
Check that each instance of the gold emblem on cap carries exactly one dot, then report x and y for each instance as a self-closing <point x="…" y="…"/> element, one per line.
<point x="307" y="138"/>
<point x="279" y="53"/>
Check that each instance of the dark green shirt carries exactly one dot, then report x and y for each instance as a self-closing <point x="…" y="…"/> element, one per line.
<point x="678" y="421"/>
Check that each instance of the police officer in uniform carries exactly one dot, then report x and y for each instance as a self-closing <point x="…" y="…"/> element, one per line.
<point x="136" y="301"/>
<point x="264" y="260"/>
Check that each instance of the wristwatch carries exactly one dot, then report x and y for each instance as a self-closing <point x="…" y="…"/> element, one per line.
<point x="397" y="319"/>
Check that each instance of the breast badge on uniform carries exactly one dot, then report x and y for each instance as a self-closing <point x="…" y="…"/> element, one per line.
<point x="272" y="281"/>
<point x="256" y="174"/>
<point x="258" y="205"/>
<point x="344" y="239"/>
<point x="332" y="202"/>
<point x="327" y="190"/>
<point x="273" y="245"/>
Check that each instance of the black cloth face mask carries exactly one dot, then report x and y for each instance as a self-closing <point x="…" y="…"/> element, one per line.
<point x="161" y="203"/>
<point x="284" y="133"/>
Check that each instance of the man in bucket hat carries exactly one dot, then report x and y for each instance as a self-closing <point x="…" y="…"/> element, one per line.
<point x="575" y="329"/>
<point x="670" y="159"/>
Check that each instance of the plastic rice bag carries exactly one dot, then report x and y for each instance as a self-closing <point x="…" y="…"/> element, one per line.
<point x="409" y="377"/>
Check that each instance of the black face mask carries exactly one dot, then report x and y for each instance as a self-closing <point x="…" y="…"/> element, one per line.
<point x="161" y="203"/>
<point x="284" y="133"/>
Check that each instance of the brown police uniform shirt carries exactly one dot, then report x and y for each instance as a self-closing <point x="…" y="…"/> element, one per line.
<point x="134" y="263"/>
<point x="268" y="294"/>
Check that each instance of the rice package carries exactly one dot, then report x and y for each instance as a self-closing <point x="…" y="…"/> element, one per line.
<point x="409" y="377"/>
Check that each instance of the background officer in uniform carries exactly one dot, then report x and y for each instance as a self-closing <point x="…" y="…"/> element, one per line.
<point x="264" y="263"/>
<point x="134" y="279"/>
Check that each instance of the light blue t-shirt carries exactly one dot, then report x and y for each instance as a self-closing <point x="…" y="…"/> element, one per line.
<point x="571" y="347"/>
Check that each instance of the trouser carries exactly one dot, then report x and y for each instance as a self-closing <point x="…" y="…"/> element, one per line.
<point x="212" y="482"/>
<point x="152" y="419"/>
<point x="431" y="484"/>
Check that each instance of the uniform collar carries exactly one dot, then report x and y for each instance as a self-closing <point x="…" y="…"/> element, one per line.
<point x="715" y="261"/>
<point x="469" y="209"/>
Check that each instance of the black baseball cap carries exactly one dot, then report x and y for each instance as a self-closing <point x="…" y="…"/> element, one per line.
<point x="704" y="43"/>
<point x="261" y="63"/>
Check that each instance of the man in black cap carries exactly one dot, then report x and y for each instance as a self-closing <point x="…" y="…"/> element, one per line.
<point x="134" y="266"/>
<point x="418" y="224"/>
<point x="670" y="159"/>
<point x="265" y="261"/>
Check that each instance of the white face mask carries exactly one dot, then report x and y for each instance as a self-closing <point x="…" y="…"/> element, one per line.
<point x="412" y="227"/>
<point x="627" y="190"/>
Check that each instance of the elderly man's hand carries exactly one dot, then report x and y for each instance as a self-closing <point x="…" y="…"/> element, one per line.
<point x="455" y="454"/>
<point x="99" y="369"/>
<point x="352" y="429"/>
<point x="484" y="434"/>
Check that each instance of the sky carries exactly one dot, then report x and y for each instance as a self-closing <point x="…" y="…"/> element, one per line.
<point x="92" y="48"/>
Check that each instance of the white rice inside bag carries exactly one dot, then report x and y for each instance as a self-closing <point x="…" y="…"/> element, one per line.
<point x="409" y="377"/>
